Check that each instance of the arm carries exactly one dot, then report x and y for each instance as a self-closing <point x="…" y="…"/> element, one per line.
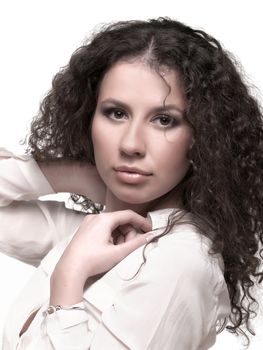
<point x="74" y="177"/>
<point x="93" y="251"/>
<point x="69" y="275"/>
<point x="179" y="288"/>
<point x="29" y="227"/>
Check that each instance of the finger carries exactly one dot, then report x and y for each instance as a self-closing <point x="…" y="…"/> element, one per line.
<point x="125" y="229"/>
<point x="125" y="217"/>
<point x="128" y="247"/>
<point x="131" y="235"/>
<point x="128" y="231"/>
<point x="120" y="239"/>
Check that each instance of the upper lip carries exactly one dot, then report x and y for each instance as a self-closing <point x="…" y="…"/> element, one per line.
<point x="128" y="169"/>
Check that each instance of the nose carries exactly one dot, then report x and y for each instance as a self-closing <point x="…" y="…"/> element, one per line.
<point x="132" y="142"/>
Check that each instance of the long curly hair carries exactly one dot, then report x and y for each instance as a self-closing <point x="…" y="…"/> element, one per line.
<point x="223" y="188"/>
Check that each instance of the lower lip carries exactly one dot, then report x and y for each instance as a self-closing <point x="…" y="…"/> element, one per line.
<point x="131" y="178"/>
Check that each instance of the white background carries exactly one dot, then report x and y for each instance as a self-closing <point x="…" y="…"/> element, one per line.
<point x="38" y="37"/>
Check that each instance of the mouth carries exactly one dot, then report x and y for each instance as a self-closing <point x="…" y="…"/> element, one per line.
<point x="132" y="170"/>
<point x="131" y="175"/>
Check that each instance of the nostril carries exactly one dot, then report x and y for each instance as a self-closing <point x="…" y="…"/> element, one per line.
<point x="130" y="154"/>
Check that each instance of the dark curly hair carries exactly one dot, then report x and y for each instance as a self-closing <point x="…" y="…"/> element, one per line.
<point x="223" y="188"/>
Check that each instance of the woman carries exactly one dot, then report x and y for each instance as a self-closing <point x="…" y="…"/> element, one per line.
<point x="152" y="120"/>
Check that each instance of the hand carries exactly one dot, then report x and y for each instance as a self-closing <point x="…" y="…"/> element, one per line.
<point x="101" y="242"/>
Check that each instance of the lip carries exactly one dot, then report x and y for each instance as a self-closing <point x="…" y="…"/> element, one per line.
<point x="131" y="175"/>
<point x="132" y="170"/>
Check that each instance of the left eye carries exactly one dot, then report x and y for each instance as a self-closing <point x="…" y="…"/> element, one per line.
<point x="165" y="120"/>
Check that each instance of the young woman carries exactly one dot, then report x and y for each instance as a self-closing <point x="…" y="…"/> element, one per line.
<point x="151" y="123"/>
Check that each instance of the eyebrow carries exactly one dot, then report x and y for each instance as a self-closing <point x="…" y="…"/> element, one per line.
<point x="159" y="109"/>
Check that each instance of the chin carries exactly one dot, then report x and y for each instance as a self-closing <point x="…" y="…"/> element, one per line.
<point x="136" y="197"/>
<point x="133" y="200"/>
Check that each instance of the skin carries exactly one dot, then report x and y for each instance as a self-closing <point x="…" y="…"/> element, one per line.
<point x="74" y="177"/>
<point x="131" y="132"/>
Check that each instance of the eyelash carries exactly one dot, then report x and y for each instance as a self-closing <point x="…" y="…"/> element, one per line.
<point x="172" y="120"/>
<point x="108" y="112"/>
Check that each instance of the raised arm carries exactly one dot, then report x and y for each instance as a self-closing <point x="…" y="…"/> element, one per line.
<point x="74" y="177"/>
<point x="29" y="228"/>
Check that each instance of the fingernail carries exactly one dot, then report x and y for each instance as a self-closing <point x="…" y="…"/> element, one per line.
<point x="150" y="237"/>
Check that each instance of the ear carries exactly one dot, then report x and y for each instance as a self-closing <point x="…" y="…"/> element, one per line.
<point x="192" y="143"/>
<point x="90" y="147"/>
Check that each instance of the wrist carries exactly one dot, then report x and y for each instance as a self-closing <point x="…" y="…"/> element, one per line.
<point x="51" y="309"/>
<point x="66" y="288"/>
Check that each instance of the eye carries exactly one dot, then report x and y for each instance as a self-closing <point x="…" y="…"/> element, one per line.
<point x="166" y="121"/>
<point x="114" y="113"/>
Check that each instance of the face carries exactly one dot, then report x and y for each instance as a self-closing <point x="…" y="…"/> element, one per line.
<point x="139" y="135"/>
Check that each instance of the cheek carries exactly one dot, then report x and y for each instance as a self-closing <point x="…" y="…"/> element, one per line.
<point x="173" y="158"/>
<point x="97" y="141"/>
<point x="98" y="135"/>
<point x="104" y="143"/>
<point x="175" y="164"/>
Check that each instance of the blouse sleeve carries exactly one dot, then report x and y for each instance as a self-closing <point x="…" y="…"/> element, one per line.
<point x="29" y="227"/>
<point x="174" y="302"/>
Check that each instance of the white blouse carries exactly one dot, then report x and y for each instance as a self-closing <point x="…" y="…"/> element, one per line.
<point x="174" y="302"/>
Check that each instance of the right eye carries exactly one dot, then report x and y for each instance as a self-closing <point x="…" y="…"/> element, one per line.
<point x="115" y="114"/>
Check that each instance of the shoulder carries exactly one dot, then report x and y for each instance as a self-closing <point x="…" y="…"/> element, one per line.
<point x="185" y="251"/>
<point x="184" y="242"/>
<point x="179" y="257"/>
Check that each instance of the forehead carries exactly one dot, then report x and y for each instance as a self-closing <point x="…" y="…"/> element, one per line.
<point x="137" y="81"/>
